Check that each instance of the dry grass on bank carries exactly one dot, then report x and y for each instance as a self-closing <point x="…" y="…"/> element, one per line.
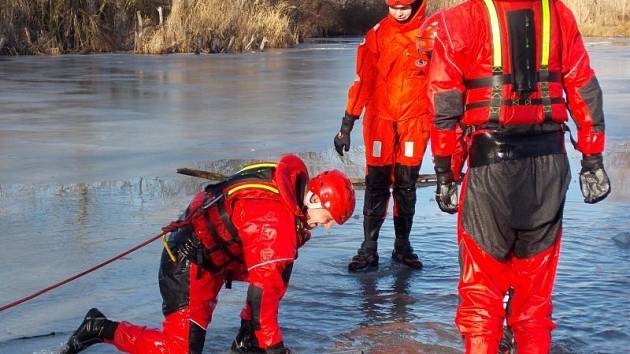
<point x="71" y="26"/>
<point x="243" y="25"/>
<point x="62" y="26"/>
<point x="601" y="18"/>
<point x="219" y="26"/>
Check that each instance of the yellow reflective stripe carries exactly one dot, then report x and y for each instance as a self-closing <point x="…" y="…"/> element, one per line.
<point x="253" y="185"/>
<point x="497" y="59"/>
<point x="546" y="32"/>
<point x="168" y="249"/>
<point x="259" y="165"/>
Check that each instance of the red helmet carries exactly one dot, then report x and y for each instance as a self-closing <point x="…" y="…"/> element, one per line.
<point x="426" y="35"/>
<point x="335" y="192"/>
<point x="394" y="3"/>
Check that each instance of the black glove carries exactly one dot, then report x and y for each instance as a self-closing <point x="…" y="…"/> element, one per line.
<point x="342" y="139"/>
<point x="446" y="192"/>
<point x="193" y="250"/>
<point x="278" y="349"/>
<point x="245" y="341"/>
<point x="594" y="181"/>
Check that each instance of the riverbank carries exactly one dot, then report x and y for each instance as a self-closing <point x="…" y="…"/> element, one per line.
<point x="176" y="26"/>
<point x="215" y="26"/>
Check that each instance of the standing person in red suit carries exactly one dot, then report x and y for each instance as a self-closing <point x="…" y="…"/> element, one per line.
<point x="390" y="87"/>
<point x="502" y="70"/>
<point x="247" y="228"/>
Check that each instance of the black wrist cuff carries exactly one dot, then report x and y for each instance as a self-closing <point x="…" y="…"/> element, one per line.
<point x="347" y="123"/>
<point x="592" y="162"/>
<point x="109" y="330"/>
<point x="442" y="164"/>
<point x="350" y="116"/>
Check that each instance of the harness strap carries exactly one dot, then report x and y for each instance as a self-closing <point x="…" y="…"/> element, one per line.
<point x="506" y="79"/>
<point x="258" y="165"/>
<point x="229" y="226"/>
<point x="516" y="102"/>
<point x="544" y="62"/>
<point x="254" y="186"/>
<point x="497" y="63"/>
<point x="220" y="242"/>
<point x="546" y="100"/>
<point x="498" y="78"/>
<point x="497" y="55"/>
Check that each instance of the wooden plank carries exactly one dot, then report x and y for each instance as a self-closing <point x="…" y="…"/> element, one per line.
<point x="424" y="180"/>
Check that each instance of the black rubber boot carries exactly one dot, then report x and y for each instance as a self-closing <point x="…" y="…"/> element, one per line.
<point x="95" y="328"/>
<point x="403" y="252"/>
<point x="367" y="256"/>
<point x="377" y="182"/>
<point x="245" y="341"/>
<point x="405" y="178"/>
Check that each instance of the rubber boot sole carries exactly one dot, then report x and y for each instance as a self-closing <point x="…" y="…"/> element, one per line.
<point x="413" y="264"/>
<point x="363" y="268"/>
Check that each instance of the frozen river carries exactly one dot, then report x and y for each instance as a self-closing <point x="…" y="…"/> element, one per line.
<point x="88" y="150"/>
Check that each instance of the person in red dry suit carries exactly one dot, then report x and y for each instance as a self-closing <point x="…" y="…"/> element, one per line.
<point x="501" y="69"/>
<point x="390" y="86"/>
<point x="245" y="228"/>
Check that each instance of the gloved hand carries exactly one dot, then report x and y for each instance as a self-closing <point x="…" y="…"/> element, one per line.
<point x="594" y="181"/>
<point x="193" y="250"/>
<point x="446" y="192"/>
<point x="245" y="341"/>
<point x="342" y="139"/>
<point x="278" y="349"/>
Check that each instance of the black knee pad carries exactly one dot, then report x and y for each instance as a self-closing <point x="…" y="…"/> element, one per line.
<point x="405" y="178"/>
<point x="377" y="182"/>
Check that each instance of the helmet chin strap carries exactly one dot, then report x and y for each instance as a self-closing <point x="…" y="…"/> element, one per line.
<point x="309" y="204"/>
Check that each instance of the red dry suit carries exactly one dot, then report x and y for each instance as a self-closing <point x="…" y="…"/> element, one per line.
<point x="501" y="69"/>
<point x="251" y="233"/>
<point x="390" y="86"/>
<point x="389" y="83"/>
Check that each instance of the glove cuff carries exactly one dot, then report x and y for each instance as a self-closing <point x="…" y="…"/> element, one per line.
<point x="347" y="123"/>
<point x="592" y="162"/>
<point x="442" y="164"/>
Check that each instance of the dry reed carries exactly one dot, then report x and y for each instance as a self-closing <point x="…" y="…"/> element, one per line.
<point x="62" y="26"/>
<point x="218" y="26"/>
